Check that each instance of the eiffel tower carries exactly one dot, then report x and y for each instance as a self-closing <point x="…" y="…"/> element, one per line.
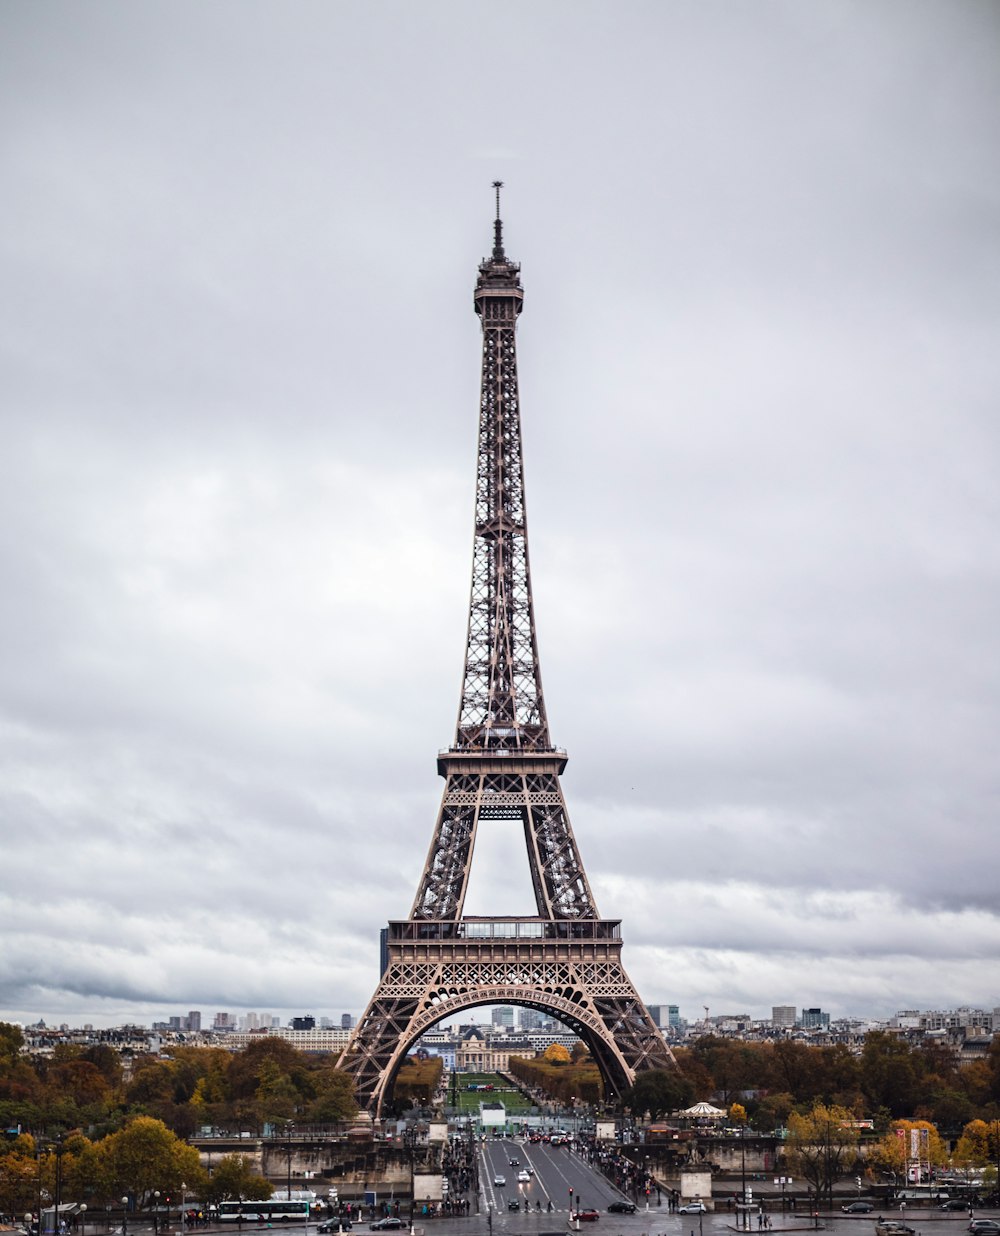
<point x="566" y="961"/>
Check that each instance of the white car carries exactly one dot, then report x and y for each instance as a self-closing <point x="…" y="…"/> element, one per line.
<point x="693" y="1208"/>
<point x="524" y="1176"/>
<point x="499" y="1180"/>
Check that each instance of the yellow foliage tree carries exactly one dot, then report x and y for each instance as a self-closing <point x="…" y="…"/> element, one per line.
<point x="737" y="1114"/>
<point x="891" y="1152"/>
<point x="979" y="1144"/>
<point x="555" y="1053"/>
<point x="822" y="1146"/>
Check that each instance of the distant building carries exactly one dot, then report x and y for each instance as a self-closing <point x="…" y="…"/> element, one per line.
<point x="303" y="1023"/>
<point x="347" y="1022"/>
<point x="673" y="1016"/>
<point x="503" y="1017"/>
<point x="194" y="1021"/>
<point x="529" y="1019"/>
<point x="333" y="1041"/>
<point x="783" y="1016"/>
<point x="815" y="1019"/>
<point x="948" y="1019"/>
<point x="488" y="1053"/>
<point x="654" y="1011"/>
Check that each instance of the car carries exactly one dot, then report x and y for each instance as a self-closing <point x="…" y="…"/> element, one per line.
<point x="587" y="1216"/>
<point x="693" y="1208"/>
<point x="954" y="1203"/>
<point x="858" y="1208"/>
<point x="334" y="1225"/>
<point x="524" y="1176"/>
<point x="513" y="1204"/>
<point x="984" y="1227"/>
<point x="499" y="1180"/>
<point x="621" y="1208"/>
<point x="389" y="1224"/>
<point x="515" y="1162"/>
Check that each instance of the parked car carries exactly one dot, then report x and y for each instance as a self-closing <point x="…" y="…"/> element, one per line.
<point x="984" y="1227"/>
<point x="858" y="1208"/>
<point x="693" y="1208"/>
<point x="954" y="1203"/>
<point x="389" y="1224"/>
<point x="587" y="1216"/>
<point x="499" y="1180"/>
<point x="621" y="1208"/>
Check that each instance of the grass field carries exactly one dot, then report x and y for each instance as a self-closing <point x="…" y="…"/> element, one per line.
<point x="468" y="1100"/>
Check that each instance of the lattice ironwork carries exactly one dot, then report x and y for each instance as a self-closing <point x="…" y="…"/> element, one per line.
<point x="502" y="766"/>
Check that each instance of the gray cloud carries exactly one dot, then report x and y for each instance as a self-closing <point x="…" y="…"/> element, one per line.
<point x="759" y="381"/>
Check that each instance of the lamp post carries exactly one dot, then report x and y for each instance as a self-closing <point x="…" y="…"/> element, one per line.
<point x="83" y="1218"/>
<point x="125" y="1215"/>
<point x="288" y="1146"/>
<point x="744" y="1213"/>
<point x="156" y="1212"/>
<point x="59" y="1149"/>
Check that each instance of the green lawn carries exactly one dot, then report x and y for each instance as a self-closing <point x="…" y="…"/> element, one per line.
<point x="469" y="1100"/>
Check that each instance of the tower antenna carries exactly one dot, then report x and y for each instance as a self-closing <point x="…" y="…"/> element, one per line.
<point x="498" y="253"/>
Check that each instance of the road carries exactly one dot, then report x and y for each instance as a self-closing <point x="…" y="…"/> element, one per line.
<point x="557" y="1170"/>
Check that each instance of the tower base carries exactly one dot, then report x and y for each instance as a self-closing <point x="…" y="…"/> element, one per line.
<point x="571" y="970"/>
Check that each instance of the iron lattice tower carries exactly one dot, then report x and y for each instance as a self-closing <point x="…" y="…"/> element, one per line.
<point x="502" y="765"/>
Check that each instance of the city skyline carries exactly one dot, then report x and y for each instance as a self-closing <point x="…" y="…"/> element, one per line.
<point x="758" y="385"/>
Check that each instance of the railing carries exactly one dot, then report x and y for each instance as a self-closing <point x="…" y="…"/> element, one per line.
<point x="506" y="929"/>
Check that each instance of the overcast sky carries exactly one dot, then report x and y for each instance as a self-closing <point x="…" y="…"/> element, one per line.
<point x="760" y="381"/>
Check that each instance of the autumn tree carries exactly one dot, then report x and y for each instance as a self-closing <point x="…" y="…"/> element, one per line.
<point x="822" y="1146"/>
<point x="892" y="1151"/>
<point x="979" y="1145"/>
<point x="146" y="1156"/>
<point x="234" y="1179"/>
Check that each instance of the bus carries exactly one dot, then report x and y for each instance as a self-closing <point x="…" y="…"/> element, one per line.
<point x="276" y="1210"/>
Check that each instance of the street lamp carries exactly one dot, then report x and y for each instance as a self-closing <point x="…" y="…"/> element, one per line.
<point x="156" y="1212"/>
<point x="59" y="1150"/>
<point x="288" y="1145"/>
<point x="83" y="1218"/>
<point x="125" y="1215"/>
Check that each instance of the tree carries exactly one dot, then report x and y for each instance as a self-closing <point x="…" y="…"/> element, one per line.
<point x="145" y="1156"/>
<point x="235" y="1179"/>
<point x="889" y="1073"/>
<point x="555" y="1053"/>
<point x="891" y="1153"/>
<point x="11" y="1042"/>
<point x="658" y="1091"/>
<point x="822" y="1146"/>
<point x="979" y="1145"/>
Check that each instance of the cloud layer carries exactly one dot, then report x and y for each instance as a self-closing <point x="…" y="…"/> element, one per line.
<point x="759" y="378"/>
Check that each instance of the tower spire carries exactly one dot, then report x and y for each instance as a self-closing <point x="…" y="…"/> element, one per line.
<point x="498" y="253"/>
